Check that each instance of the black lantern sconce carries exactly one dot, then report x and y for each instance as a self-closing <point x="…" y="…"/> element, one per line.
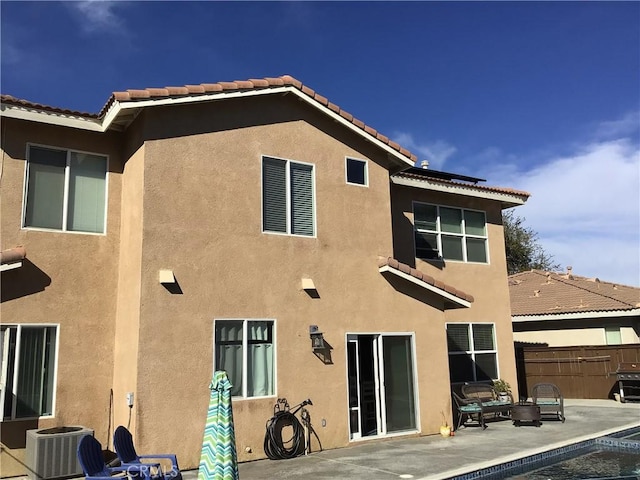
<point x="317" y="338"/>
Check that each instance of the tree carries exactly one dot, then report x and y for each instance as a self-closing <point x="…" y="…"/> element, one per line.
<point x="522" y="246"/>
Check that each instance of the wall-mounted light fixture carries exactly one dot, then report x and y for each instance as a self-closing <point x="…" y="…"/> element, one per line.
<point x="317" y="338"/>
<point x="166" y="276"/>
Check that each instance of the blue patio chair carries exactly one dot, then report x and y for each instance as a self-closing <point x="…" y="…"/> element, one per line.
<point x="123" y="443"/>
<point x="92" y="463"/>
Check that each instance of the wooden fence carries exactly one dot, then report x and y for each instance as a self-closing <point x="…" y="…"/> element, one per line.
<point x="579" y="372"/>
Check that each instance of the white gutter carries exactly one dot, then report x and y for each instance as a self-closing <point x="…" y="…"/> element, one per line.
<point x="53" y="118"/>
<point x="509" y="200"/>
<point x="577" y="315"/>
<point x="420" y="283"/>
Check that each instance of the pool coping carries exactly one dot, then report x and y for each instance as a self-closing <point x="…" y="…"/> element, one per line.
<point x="496" y="465"/>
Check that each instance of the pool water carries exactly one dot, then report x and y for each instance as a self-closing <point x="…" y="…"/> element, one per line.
<point x="600" y="463"/>
<point x="613" y="457"/>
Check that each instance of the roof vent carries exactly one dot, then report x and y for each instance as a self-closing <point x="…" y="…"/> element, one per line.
<point x="424" y="164"/>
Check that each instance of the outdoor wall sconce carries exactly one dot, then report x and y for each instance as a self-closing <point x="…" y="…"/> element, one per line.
<point x="166" y="277"/>
<point x="317" y="338"/>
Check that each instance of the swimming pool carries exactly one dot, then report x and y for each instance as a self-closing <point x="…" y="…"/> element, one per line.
<point x="613" y="457"/>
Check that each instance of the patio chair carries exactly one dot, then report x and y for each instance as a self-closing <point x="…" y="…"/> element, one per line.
<point x="92" y="463"/>
<point x="123" y="443"/>
<point x="549" y="398"/>
<point x="467" y="408"/>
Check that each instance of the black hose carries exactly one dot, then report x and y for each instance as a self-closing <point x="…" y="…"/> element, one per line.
<point x="274" y="446"/>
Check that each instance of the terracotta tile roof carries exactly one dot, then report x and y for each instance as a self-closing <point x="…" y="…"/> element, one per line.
<point x="13" y="255"/>
<point x="9" y="100"/>
<point x="543" y="293"/>
<point x="419" y="275"/>
<point x="213" y="88"/>
<point x="425" y="177"/>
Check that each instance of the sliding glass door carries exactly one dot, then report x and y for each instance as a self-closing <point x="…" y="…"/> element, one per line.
<point x="381" y="384"/>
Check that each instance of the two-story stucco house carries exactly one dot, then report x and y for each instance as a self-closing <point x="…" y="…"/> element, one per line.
<point x="184" y="230"/>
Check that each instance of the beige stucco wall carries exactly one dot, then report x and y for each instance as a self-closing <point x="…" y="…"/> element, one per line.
<point x="202" y="219"/>
<point x="68" y="279"/>
<point x="567" y="337"/>
<point x="485" y="282"/>
<point x="188" y="198"/>
<point x="127" y="320"/>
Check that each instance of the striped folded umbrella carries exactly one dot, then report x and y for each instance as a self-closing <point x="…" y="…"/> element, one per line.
<point x="219" y="459"/>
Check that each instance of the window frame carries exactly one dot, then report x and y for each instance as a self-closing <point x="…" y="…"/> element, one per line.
<point x="616" y="331"/>
<point x="439" y="233"/>
<point x="16" y="369"/>
<point x="65" y="204"/>
<point x="366" y="172"/>
<point x="288" y="203"/>
<point x="245" y="350"/>
<point x="472" y="351"/>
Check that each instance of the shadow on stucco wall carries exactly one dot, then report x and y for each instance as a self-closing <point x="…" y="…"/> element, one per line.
<point x="23" y="281"/>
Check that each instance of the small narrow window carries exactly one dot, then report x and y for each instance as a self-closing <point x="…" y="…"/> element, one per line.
<point x="357" y="172"/>
<point x="613" y="335"/>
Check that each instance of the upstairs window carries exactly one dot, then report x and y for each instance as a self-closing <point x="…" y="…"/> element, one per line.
<point x="356" y="171"/>
<point x="472" y="352"/>
<point x="287" y="197"/>
<point x="66" y="190"/>
<point x="448" y="233"/>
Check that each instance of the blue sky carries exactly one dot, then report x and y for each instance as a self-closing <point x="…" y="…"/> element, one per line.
<point x="540" y="96"/>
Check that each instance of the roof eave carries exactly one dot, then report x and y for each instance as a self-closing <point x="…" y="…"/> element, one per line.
<point x="120" y="113"/>
<point x="576" y="315"/>
<point x="32" y="114"/>
<point x="507" y="200"/>
<point x="456" y="301"/>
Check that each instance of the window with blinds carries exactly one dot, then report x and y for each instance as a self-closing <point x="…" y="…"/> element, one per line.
<point x="472" y="352"/>
<point x="446" y="233"/>
<point x="288" y="197"/>
<point x="66" y="190"/>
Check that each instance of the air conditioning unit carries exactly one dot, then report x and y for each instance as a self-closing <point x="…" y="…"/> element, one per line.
<point x="52" y="452"/>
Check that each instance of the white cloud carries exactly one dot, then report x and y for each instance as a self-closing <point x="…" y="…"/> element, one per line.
<point x="436" y="152"/>
<point x="98" y="15"/>
<point x="585" y="207"/>
<point x="627" y="125"/>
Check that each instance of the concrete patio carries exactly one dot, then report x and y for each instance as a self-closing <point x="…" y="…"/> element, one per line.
<point x="434" y="457"/>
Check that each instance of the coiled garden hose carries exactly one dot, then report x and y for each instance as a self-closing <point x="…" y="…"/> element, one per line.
<point x="275" y="447"/>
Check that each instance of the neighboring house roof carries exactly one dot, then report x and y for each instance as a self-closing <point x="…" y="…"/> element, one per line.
<point x="420" y="178"/>
<point x="122" y="107"/>
<point x="539" y="295"/>
<point x="12" y="258"/>
<point x="448" y="292"/>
